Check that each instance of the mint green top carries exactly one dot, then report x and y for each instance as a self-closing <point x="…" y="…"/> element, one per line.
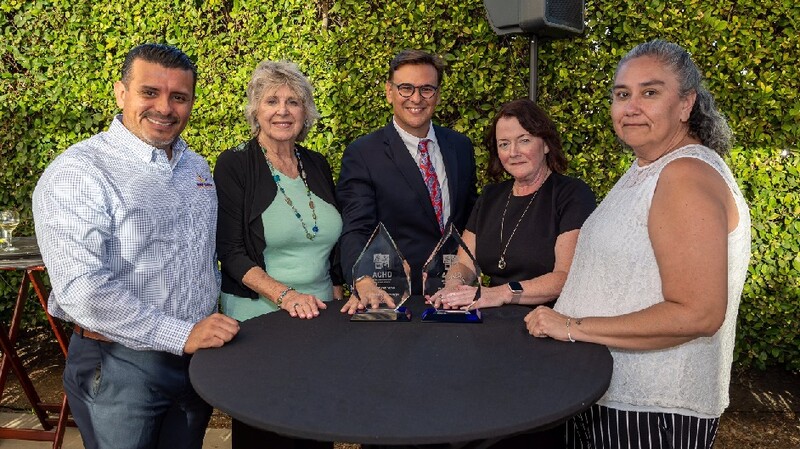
<point x="290" y="257"/>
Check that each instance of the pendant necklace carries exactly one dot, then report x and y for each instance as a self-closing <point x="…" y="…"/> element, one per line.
<point x="501" y="264"/>
<point x="277" y="178"/>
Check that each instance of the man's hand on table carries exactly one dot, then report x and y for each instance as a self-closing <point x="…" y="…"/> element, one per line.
<point x="211" y="332"/>
<point x="369" y="295"/>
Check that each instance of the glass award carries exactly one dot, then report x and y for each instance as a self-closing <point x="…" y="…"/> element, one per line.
<point x="435" y="272"/>
<point x="381" y="265"/>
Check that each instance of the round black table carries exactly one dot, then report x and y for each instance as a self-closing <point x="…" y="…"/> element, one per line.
<point x="331" y="379"/>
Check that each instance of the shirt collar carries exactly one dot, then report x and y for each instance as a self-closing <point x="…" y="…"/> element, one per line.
<point x="140" y="149"/>
<point x="410" y="140"/>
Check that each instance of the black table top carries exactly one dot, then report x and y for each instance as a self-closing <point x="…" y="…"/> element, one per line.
<point x="331" y="379"/>
<point x="27" y="255"/>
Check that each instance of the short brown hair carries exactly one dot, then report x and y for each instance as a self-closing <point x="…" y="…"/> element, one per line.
<point x="417" y="57"/>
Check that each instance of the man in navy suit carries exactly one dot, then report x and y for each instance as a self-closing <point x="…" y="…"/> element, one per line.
<point x="382" y="176"/>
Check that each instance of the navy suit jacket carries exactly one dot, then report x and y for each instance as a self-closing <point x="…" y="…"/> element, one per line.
<point x="380" y="182"/>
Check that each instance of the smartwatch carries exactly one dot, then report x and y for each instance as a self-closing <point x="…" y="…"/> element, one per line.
<point x="516" y="291"/>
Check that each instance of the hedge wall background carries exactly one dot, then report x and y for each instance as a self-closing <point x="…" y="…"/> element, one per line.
<point x="59" y="59"/>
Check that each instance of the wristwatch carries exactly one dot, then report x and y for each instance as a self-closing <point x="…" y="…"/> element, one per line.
<point x="516" y="291"/>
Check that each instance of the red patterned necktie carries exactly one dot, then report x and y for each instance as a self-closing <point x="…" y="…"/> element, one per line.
<point x="431" y="180"/>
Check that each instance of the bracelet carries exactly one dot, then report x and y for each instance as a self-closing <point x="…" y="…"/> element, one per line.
<point x="456" y="276"/>
<point x="569" y="335"/>
<point x="279" y="301"/>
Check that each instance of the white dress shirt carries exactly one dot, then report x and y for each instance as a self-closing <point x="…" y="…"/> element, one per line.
<point x="435" y="152"/>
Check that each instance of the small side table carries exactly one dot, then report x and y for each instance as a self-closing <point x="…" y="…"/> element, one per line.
<point x="53" y="417"/>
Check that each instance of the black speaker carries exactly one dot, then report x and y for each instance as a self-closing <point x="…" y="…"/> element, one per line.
<point x="544" y="18"/>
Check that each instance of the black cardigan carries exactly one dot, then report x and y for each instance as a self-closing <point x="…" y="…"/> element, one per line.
<point x="245" y="189"/>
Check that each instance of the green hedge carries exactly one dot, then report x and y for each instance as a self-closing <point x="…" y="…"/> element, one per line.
<point x="59" y="59"/>
<point x="768" y="330"/>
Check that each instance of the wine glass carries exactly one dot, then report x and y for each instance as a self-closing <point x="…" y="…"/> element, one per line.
<point x="9" y="219"/>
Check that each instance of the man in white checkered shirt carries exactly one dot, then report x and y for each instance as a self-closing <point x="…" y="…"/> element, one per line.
<point x="126" y="222"/>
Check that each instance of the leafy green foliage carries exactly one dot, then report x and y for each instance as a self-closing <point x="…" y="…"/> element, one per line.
<point x="769" y="315"/>
<point x="60" y="58"/>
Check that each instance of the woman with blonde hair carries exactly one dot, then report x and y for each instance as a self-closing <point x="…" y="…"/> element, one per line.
<point x="278" y="220"/>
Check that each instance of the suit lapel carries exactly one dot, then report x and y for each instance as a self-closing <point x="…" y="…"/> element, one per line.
<point x="397" y="152"/>
<point x="450" y="157"/>
<point x="264" y="186"/>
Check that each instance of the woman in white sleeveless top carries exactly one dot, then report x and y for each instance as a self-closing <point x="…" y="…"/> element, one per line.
<point x="660" y="265"/>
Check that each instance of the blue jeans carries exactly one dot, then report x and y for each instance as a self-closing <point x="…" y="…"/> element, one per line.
<point x="126" y="399"/>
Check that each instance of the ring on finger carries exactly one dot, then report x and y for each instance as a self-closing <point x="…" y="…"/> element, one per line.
<point x="296" y="305"/>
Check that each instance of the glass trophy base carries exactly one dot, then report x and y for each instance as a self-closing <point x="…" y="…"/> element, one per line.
<point x="383" y="314"/>
<point x="432" y="315"/>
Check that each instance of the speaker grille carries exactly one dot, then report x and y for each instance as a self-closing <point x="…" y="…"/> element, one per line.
<point x="565" y="13"/>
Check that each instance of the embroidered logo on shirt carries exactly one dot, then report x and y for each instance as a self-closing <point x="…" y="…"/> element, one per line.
<point x="203" y="183"/>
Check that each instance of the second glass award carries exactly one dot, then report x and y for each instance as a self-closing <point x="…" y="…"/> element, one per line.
<point x="442" y="264"/>
<point x="380" y="272"/>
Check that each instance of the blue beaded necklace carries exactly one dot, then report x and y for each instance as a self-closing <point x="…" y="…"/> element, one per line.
<point x="277" y="178"/>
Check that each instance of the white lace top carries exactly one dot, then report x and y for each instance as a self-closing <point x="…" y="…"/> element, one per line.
<point x="614" y="272"/>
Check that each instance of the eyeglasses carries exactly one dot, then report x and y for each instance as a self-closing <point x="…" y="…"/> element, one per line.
<point x="406" y="90"/>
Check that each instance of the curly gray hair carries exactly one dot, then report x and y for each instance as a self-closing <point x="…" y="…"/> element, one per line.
<point x="271" y="75"/>
<point x="706" y="122"/>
